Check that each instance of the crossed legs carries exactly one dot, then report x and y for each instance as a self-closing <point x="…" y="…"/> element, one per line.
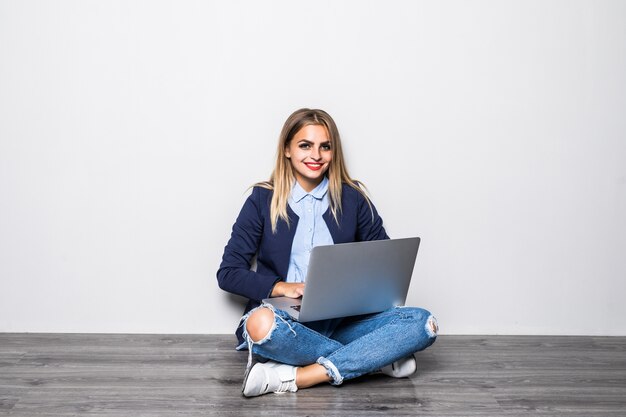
<point x="359" y="345"/>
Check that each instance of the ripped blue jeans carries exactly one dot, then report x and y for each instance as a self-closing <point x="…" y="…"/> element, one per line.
<point x="349" y="347"/>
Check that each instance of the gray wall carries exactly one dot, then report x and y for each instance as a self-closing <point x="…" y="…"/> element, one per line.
<point x="130" y="130"/>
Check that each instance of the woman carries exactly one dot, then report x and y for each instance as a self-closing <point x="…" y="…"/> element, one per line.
<point x="310" y="200"/>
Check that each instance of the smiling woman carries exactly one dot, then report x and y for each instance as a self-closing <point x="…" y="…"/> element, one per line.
<point x="310" y="200"/>
<point x="310" y="154"/>
<point x="309" y="138"/>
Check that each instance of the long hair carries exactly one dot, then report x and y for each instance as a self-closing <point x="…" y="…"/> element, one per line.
<point x="282" y="178"/>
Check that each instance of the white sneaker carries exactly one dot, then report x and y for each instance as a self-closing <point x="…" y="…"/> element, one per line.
<point x="401" y="368"/>
<point x="269" y="377"/>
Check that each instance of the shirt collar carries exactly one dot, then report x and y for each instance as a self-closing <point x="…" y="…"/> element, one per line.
<point x="298" y="193"/>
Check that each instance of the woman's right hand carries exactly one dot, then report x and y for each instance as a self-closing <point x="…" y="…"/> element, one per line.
<point x="288" y="289"/>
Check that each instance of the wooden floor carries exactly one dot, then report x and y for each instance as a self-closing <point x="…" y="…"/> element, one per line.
<point x="184" y="375"/>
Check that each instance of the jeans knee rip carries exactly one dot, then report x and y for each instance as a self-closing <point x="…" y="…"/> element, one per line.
<point x="267" y="337"/>
<point x="432" y="328"/>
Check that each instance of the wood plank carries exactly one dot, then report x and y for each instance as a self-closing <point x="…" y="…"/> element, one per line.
<point x="164" y="375"/>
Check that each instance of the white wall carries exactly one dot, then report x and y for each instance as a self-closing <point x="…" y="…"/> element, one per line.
<point x="129" y="131"/>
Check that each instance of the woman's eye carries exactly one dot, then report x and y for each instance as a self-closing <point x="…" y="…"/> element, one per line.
<point x="326" y="147"/>
<point x="304" y="146"/>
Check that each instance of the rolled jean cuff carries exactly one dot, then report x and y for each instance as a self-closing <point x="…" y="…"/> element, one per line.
<point x="331" y="370"/>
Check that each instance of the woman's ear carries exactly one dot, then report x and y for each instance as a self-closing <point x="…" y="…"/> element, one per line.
<point x="287" y="153"/>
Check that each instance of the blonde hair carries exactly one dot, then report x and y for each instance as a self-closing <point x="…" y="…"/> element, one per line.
<point x="282" y="178"/>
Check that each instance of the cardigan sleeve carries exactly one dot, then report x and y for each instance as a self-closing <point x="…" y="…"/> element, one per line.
<point x="234" y="274"/>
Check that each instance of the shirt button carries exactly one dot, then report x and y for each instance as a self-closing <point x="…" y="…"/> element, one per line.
<point x="310" y="229"/>
<point x="309" y="210"/>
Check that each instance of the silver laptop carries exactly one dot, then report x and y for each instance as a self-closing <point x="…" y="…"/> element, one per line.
<point x="349" y="279"/>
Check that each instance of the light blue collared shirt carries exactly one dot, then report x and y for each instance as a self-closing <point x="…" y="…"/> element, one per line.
<point x="311" y="230"/>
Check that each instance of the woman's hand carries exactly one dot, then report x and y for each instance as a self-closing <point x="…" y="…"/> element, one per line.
<point x="288" y="289"/>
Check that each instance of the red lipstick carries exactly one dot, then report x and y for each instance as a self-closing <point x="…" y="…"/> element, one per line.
<point x="313" y="166"/>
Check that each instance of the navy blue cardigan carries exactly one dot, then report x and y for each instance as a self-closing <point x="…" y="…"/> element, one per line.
<point x="252" y="235"/>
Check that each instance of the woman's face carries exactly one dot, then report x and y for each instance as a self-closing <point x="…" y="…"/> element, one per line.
<point x="310" y="154"/>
